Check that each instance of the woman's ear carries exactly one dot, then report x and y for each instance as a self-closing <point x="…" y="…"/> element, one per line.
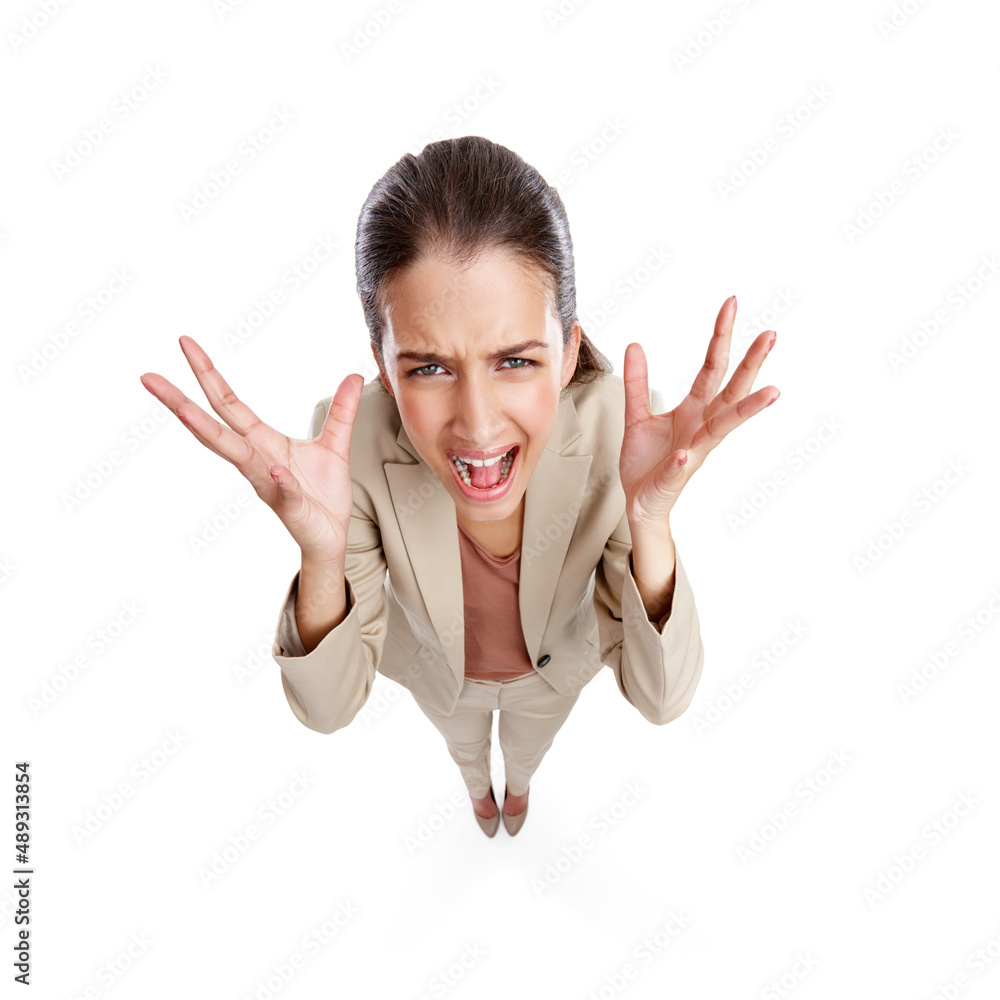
<point x="381" y="373"/>
<point x="571" y="353"/>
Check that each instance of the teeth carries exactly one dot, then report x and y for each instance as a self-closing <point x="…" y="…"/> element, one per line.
<point x="463" y="466"/>
<point x="479" y="461"/>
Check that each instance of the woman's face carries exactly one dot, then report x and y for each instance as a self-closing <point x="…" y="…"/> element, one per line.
<point x="471" y="383"/>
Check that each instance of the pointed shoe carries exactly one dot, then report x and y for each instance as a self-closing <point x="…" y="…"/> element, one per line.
<point x="513" y="823"/>
<point x="491" y="825"/>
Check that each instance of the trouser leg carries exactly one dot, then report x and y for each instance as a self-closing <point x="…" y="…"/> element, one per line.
<point x="531" y="713"/>
<point x="467" y="734"/>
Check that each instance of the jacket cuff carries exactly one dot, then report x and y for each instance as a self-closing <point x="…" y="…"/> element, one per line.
<point x="323" y="695"/>
<point x="681" y="601"/>
<point x="674" y="641"/>
<point x="287" y="639"/>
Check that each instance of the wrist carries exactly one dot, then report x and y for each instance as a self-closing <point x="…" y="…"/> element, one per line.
<point x="660" y="532"/>
<point x="323" y="563"/>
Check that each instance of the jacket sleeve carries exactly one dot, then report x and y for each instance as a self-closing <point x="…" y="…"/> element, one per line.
<point x="327" y="687"/>
<point x="657" y="665"/>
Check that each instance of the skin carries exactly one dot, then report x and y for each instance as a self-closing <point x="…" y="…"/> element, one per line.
<point x="474" y="402"/>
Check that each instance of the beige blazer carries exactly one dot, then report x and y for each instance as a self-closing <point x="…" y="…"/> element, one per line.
<point x="579" y="604"/>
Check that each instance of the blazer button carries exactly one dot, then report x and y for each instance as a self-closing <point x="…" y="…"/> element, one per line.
<point x="543" y="660"/>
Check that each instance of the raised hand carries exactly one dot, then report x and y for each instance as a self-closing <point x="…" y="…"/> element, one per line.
<point x="660" y="452"/>
<point x="306" y="482"/>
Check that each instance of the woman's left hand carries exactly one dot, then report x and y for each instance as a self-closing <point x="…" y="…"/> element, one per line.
<point x="660" y="452"/>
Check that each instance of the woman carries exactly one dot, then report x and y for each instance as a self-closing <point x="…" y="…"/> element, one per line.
<point x="487" y="523"/>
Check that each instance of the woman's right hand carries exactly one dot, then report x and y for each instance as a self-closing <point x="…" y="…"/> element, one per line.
<point x="306" y="482"/>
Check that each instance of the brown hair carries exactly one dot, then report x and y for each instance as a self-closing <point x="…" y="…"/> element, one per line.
<point x="461" y="197"/>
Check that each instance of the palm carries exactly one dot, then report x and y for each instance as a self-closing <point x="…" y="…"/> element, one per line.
<point x="323" y="474"/>
<point x="319" y="514"/>
<point x="660" y="452"/>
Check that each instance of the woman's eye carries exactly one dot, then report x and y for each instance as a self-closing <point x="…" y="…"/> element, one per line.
<point x="528" y="363"/>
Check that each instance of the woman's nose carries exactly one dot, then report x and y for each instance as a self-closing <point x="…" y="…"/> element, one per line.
<point x="477" y="419"/>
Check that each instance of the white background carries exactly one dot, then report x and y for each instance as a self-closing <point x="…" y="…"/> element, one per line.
<point x="857" y="894"/>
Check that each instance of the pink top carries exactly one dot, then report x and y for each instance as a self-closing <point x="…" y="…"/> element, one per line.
<point x="494" y="642"/>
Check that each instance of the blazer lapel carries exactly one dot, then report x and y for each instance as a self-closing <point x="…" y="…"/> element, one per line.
<point x="430" y="534"/>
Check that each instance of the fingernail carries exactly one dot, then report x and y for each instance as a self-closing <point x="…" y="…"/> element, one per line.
<point x="774" y="337"/>
<point x="734" y="301"/>
<point x="776" y="397"/>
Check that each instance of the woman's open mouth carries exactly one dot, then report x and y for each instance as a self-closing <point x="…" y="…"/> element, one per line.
<point x="488" y="481"/>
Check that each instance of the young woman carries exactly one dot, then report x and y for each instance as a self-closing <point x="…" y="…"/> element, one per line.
<point x="488" y="522"/>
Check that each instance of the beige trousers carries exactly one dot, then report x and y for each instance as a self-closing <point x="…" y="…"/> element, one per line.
<point x="531" y="713"/>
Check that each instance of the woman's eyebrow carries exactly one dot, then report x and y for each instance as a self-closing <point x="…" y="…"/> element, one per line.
<point x="525" y="345"/>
